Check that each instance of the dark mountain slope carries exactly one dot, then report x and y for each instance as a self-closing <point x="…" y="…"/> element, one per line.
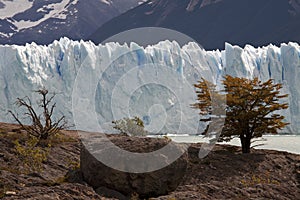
<point x="46" y="20"/>
<point x="214" y="22"/>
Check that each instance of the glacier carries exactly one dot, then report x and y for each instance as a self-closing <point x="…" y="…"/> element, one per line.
<point x="100" y="83"/>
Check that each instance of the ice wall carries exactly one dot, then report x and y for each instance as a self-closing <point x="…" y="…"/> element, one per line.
<point x="106" y="82"/>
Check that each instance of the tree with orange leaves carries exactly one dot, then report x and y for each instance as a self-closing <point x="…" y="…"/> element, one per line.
<point x="250" y="107"/>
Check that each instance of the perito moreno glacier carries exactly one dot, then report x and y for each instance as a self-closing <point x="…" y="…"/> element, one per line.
<point x="100" y="83"/>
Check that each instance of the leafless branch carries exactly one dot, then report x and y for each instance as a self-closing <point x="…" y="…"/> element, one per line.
<point x="42" y="126"/>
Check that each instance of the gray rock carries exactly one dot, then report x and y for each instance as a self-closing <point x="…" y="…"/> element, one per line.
<point x="148" y="184"/>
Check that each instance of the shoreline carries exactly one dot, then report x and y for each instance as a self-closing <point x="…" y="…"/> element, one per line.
<point x="282" y="143"/>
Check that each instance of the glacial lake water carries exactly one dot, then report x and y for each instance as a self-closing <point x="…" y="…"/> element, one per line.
<point x="289" y="143"/>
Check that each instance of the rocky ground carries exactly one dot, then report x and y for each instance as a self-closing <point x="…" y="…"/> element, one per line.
<point x="224" y="174"/>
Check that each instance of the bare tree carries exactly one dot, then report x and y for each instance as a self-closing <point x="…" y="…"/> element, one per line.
<point x="42" y="125"/>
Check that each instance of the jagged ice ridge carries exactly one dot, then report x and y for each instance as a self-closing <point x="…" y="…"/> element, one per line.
<point x="106" y="82"/>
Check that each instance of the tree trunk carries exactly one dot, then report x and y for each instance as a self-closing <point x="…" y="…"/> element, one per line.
<point x="44" y="136"/>
<point x="246" y="143"/>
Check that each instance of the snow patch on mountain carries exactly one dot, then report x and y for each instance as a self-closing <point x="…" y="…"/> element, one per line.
<point x="44" y="21"/>
<point x="108" y="2"/>
<point x="10" y="8"/>
<point x="56" y="11"/>
<point x="142" y="1"/>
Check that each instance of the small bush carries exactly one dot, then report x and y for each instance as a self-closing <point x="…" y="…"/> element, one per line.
<point x="31" y="155"/>
<point x="130" y="126"/>
<point x="73" y="164"/>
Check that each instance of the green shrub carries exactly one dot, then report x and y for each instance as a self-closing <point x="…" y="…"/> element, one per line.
<point x="130" y="126"/>
<point x="31" y="155"/>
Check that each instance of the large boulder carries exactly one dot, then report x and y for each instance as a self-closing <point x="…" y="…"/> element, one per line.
<point x="106" y="161"/>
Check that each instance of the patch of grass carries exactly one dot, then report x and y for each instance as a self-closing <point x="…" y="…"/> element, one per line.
<point x="31" y="155"/>
<point x="255" y="179"/>
<point x="12" y="136"/>
<point x="60" y="138"/>
<point x="22" y="136"/>
<point x="73" y="164"/>
<point x="2" y="131"/>
<point x="32" y="152"/>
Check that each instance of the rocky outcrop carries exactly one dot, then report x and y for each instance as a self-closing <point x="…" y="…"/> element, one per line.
<point x="148" y="184"/>
<point x="225" y="173"/>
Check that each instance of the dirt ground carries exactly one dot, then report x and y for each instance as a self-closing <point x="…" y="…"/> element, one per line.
<point x="225" y="173"/>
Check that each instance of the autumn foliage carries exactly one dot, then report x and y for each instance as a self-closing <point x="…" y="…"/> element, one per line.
<point x="250" y="107"/>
